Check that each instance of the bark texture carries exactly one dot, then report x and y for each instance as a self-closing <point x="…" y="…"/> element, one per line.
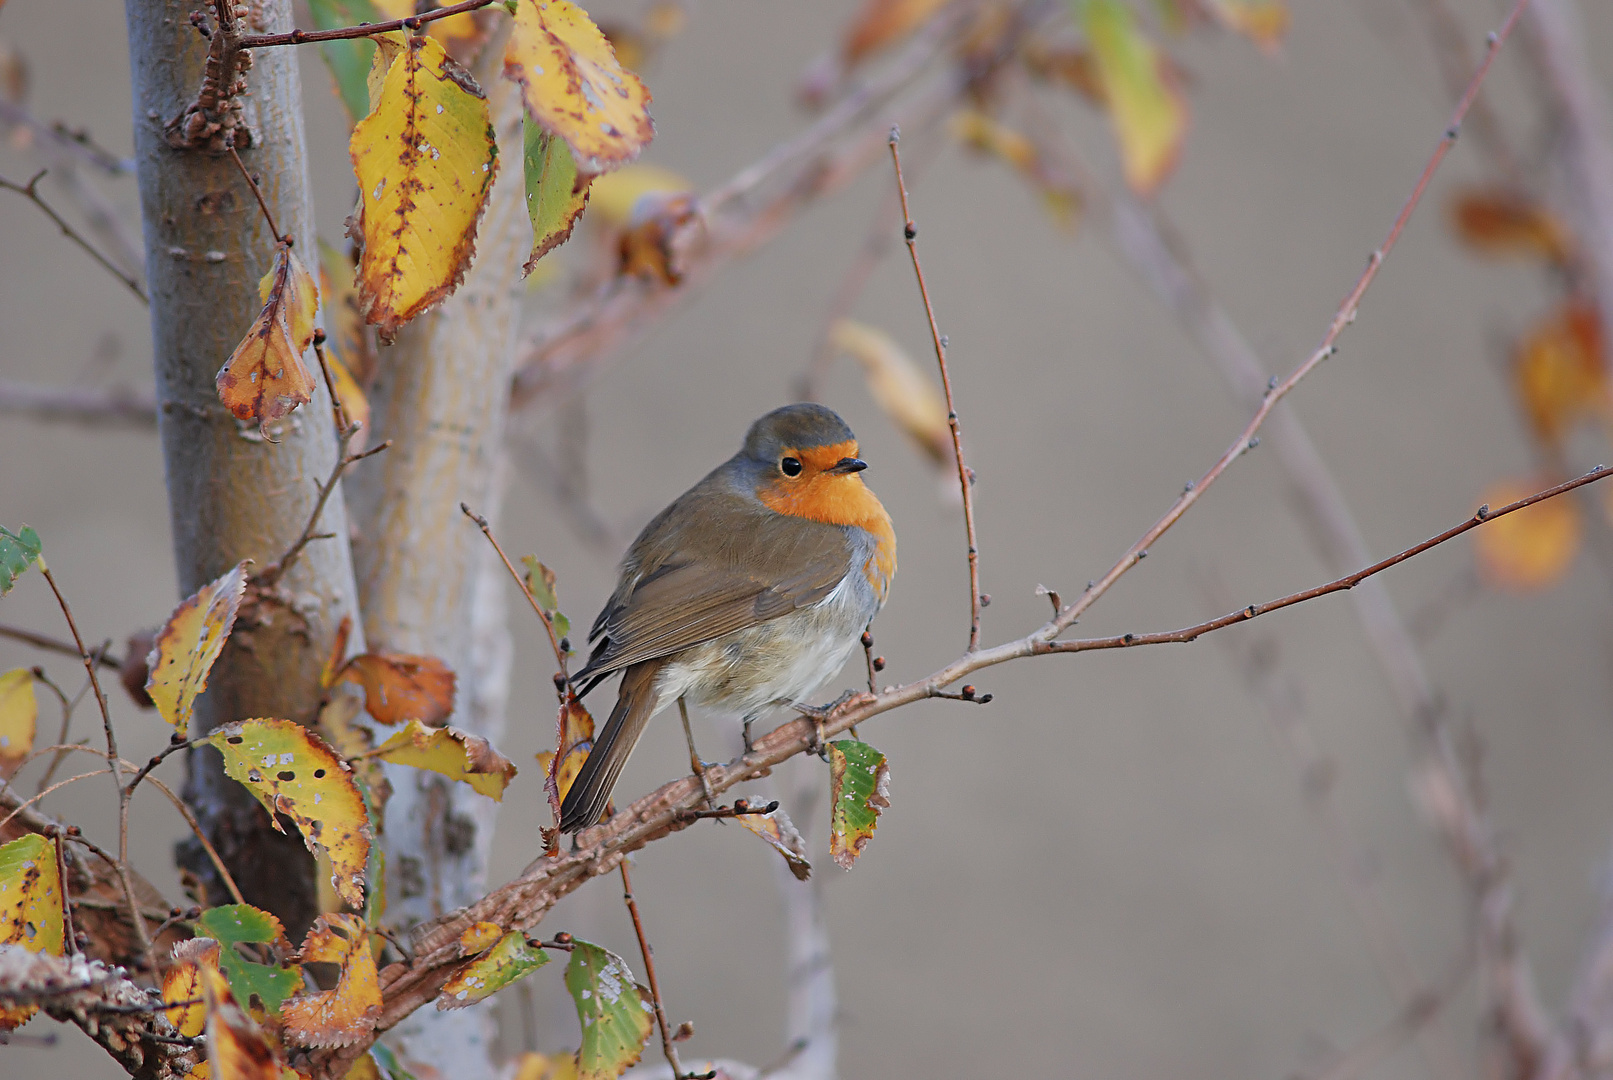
<point x="233" y="494"/>
<point x="428" y="579"/>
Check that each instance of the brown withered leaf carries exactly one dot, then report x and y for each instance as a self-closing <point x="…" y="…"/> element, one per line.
<point x="782" y="836"/>
<point x="399" y="687"/>
<point x="265" y="378"/>
<point x="1502" y="221"/>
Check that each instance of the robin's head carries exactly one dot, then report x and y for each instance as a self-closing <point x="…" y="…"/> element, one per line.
<point x="807" y="460"/>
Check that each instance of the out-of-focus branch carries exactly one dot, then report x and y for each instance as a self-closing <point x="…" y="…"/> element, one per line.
<point x="100" y="406"/>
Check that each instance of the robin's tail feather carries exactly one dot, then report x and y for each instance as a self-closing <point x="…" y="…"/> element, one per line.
<point x="635" y="702"/>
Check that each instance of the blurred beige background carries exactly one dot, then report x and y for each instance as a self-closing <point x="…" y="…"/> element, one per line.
<point x="1109" y="871"/>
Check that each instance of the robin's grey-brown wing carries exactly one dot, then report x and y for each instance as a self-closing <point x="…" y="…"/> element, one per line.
<point x="713" y="585"/>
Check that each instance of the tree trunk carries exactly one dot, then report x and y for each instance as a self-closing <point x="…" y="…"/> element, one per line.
<point x="428" y="579"/>
<point x="232" y="494"/>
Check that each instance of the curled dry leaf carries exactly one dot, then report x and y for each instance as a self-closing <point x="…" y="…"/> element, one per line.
<point x="19" y="711"/>
<point x="455" y="754"/>
<point x="1147" y="112"/>
<point x="18" y="551"/>
<point x="1530" y="548"/>
<point x="898" y="387"/>
<point x="294" y="772"/>
<point x="188" y="645"/>
<point x="555" y="194"/>
<point x="255" y="985"/>
<point x="265" y="378"/>
<point x="573" y="86"/>
<point x="859" y="788"/>
<point x="1503" y="221"/>
<point x="236" y="1047"/>
<point x="425" y="159"/>
<point x="1560" y="372"/>
<point x="512" y="958"/>
<point x="30" y="907"/>
<point x="614" y="1011"/>
<point x="341" y="1016"/>
<point x="399" y="687"/>
<point x="781" y="834"/>
<point x="574" y="737"/>
<point x="182" y="984"/>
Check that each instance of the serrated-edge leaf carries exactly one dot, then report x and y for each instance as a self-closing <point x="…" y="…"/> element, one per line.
<point x="859" y="788"/>
<point x="345" y="1014"/>
<point x="553" y="201"/>
<point x="234" y="924"/>
<point x="265" y="379"/>
<point x="188" y="645"/>
<point x="615" y="1015"/>
<point x="510" y="959"/>
<point x="30" y="906"/>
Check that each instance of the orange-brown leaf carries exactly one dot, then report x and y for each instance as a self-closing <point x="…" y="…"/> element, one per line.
<point x="1501" y="221"/>
<point x="399" y="687"/>
<point x="236" y="1047"/>
<point x="1560" y="372"/>
<point x="1530" y="548"/>
<point x="265" y="378"/>
<point x="884" y="22"/>
<point x="342" y="1016"/>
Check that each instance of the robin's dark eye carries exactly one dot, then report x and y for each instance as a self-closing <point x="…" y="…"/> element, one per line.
<point x="790" y="467"/>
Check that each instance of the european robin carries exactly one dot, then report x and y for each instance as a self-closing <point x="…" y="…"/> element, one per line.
<point x="747" y="593"/>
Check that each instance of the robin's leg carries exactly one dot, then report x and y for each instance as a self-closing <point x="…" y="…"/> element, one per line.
<point x="818" y="714"/>
<point x="748" y="721"/>
<point x="695" y="763"/>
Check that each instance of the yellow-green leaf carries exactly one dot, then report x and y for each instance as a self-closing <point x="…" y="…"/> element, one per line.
<point x="342" y="1016"/>
<point x="30" y="906"/>
<point x="479" y="937"/>
<point x="425" y="159"/>
<point x="573" y="86"/>
<point x="782" y="836"/>
<point x="456" y="754"/>
<point x="236" y="1046"/>
<point x="540" y="583"/>
<point x="859" y="788"/>
<point x="555" y="195"/>
<point x="511" y="959"/>
<point x="294" y="772"/>
<point x="265" y="378"/>
<point x="1148" y="114"/>
<point x="352" y="740"/>
<point x="615" y="1013"/>
<point x="185" y="650"/>
<point x="19" y="710"/>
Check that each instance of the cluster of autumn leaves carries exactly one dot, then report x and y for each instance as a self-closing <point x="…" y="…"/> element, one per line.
<point x="327" y="781"/>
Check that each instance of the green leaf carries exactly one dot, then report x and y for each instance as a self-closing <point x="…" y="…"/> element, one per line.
<point x="859" y="788"/>
<point x="348" y="61"/>
<point x="18" y="551"/>
<point x="234" y="924"/>
<point x="614" y="1011"/>
<point x="540" y="582"/>
<point x="553" y="199"/>
<point x="512" y="958"/>
<point x="389" y="1063"/>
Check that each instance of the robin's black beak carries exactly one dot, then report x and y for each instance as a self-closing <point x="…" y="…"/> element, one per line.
<point x="848" y="465"/>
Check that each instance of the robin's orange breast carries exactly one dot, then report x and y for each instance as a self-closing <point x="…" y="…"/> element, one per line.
<point x="838" y="500"/>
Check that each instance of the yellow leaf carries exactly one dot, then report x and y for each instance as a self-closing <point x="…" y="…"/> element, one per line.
<point x="353" y="740"/>
<point x="342" y="1016"/>
<point x="236" y="1046"/>
<point x="988" y="135"/>
<point x="399" y="687"/>
<point x="365" y="1068"/>
<point x="555" y="195"/>
<point x="294" y="772"/>
<point x="1265" y="22"/>
<point x="535" y="1066"/>
<point x="1559" y="371"/>
<point x="1501" y="221"/>
<point x="19" y="709"/>
<point x="512" y="958"/>
<point x="615" y="195"/>
<point x="456" y="754"/>
<point x="479" y="937"/>
<point x="1148" y="114"/>
<point x="30" y="907"/>
<point x="188" y="645"/>
<point x="1531" y="548"/>
<point x="574" y="735"/>
<point x="425" y="159"/>
<point x="897" y="386"/>
<point x="347" y="337"/>
<point x="352" y="399"/>
<point x="182" y="983"/>
<point x="388" y="46"/>
<point x="573" y="86"/>
<point x="884" y="22"/>
<point x="265" y="378"/>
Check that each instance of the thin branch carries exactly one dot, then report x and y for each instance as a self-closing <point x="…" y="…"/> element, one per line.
<point x="543" y="616"/>
<point x="257" y="193"/>
<point x="910" y="233"/>
<point x="308" y="37"/>
<point x="118" y="405"/>
<point x="275" y="570"/>
<point x="77" y="143"/>
<point x="30" y="191"/>
<point x="670" y="1051"/>
<point x="55" y="645"/>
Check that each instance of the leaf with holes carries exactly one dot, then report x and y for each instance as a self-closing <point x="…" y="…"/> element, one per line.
<point x="18" y="551"/>
<point x="456" y="754"/>
<point x="859" y="788"/>
<point x="1501" y="221"/>
<point x="425" y="159"/>
<point x="614" y="1012"/>
<point x="512" y="958"/>
<point x="782" y="836"/>
<point x="1558" y="372"/>
<point x="294" y="772"/>
<point x="399" y="687"/>
<point x="189" y="644"/>
<point x="1529" y="548"/>
<point x="1146" y="110"/>
<point x="30" y="907"/>
<point x="540" y="582"/>
<point x="265" y="378"/>
<point x="19" y="710"/>
<point x="237" y="924"/>
<point x="182" y="984"/>
<point x="236" y="1047"/>
<point x="348" y="60"/>
<point x="555" y="196"/>
<point x="573" y="86"/>
<point x="342" y="1016"/>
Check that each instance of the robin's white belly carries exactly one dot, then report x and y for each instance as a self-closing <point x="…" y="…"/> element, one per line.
<point x="779" y="662"/>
